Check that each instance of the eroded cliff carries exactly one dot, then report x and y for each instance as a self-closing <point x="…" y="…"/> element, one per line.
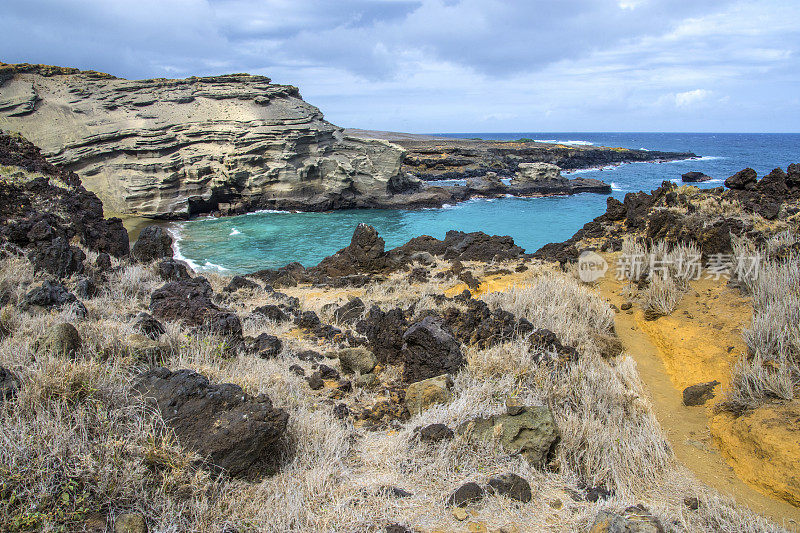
<point x="173" y="148"/>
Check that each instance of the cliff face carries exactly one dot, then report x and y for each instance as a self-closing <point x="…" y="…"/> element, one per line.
<point x="173" y="148"/>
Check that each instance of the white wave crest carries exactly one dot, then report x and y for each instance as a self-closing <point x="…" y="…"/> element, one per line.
<point x="235" y="231"/>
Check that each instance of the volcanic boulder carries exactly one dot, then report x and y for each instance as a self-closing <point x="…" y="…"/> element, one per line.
<point x="430" y="350"/>
<point x="234" y="431"/>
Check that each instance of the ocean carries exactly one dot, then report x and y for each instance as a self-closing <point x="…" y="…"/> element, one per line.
<point x="271" y="239"/>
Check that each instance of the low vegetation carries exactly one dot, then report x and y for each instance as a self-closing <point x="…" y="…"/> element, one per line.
<point x="78" y="446"/>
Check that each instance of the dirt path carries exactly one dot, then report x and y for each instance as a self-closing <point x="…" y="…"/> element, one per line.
<point x="695" y="344"/>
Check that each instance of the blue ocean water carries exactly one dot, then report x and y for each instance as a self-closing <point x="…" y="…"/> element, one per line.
<point x="271" y="239"/>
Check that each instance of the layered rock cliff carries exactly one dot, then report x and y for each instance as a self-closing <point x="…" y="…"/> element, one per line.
<point x="174" y="148"/>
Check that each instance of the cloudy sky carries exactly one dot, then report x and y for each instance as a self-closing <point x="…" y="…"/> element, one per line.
<point x="453" y="65"/>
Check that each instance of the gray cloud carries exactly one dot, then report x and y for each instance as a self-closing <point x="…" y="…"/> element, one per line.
<point x="449" y="64"/>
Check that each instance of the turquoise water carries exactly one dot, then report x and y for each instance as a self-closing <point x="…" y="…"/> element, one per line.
<point x="271" y="239"/>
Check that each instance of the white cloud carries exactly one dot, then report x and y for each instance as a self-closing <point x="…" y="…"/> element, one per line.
<point x="691" y="98"/>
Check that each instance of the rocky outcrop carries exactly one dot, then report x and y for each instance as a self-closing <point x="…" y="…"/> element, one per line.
<point x="679" y="216"/>
<point x="174" y="148"/>
<point x="44" y="208"/>
<point x="240" y="434"/>
<point x="189" y="301"/>
<point x="429" y="350"/>
<point x="446" y="159"/>
<point x="153" y="243"/>
<point x="695" y="177"/>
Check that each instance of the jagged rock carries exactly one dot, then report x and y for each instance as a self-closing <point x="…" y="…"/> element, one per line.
<point x="544" y="340"/>
<point x="232" y="430"/>
<point x="358" y="360"/>
<point x="695" y="177"/>
<point x="635" y="519"/>
<point x="418" y="275"/>
<point x="742" y="180"/>
<point x="480" y="326"/>
<point x="350" y="312"/>
<point x="397" y="528"/>
<point x="44" y="207"/>
<point x="267" y="346"/>
<point x="315" y="381"/>
<point x="309" y="356"/>
<point x="364" y="254"/>
<point x="422" y="394"/>
<point x="434" y="433"/>
<point x="429" y="350"/>
<point x="241" y="282"/>
<point x="384" y="332"/>
<point x="175" y="148"/>
<point x="147" y="325"/>
<point x="86" y="288"/>
<point x="103" y="261"/>
<point x="307" y="320"/>
<point x="57" y="258"/>
<point x="9" y="385"/>
<point x="60" y="339"/>
<point x="539" y="173"/>
<point x="189" y="301"/>
<point x="326" y="372"/>
<point x="49" y="294"/>
<point x="615" y="210"/>
<point x="153" y="243"/>
<point x="699" y="394"/>
<point x="341" y="411"/>
<point x="147" y="350"/>
<point x="272" y="312"/>
<point x="469" y="278"/>
<point x="173" y="270"/>
<point x="465" y="494"/>
<point x="297" y="370"/>
<point x="531" y="432"/>
<point x="512" y="486"/>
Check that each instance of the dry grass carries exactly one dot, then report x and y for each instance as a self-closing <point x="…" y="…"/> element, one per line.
<point x="76" y="442"/>
<point x="771" y="370"/>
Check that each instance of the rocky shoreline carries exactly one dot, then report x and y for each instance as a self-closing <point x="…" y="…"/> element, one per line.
<point x="391" y="389"/>
<point x="174" y="149"/>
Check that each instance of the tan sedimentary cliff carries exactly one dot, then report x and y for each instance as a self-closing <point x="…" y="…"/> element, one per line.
<point x="173" y="148"/>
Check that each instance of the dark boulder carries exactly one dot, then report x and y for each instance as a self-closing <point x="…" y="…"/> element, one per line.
<point x="512" y="486"/>
<point x="9" y="385"/>
<point x="232" y="430"/>
<point x="153" y="243"/>
<point x="615" y="210"/>
<point x="430" y="350"/>
<point x="189" y="301"/>
<point x="350" y="312"/>
<point x="480" y="326"/>
<point x="272" y="312"/>
<point x="384" y="332"/>
<point x="364" y="254"/>
<point x="742" y="180"/>
<point x="699" y="394"/>
<point x="53" y="295"/>
<point x="57" y="258"/>
<point x="86" y="288"/>
<point x="241" y="282"/>
<point x="148" y="326"/>
<point x="695" y="177"/>
<point x="434" y="433"/>
<point x="103" y="262"/>
<point x="267" y="346"/>
<point x="172" y="270"/>
<point x="465" y="494"/>
<point x="315" y="381"/>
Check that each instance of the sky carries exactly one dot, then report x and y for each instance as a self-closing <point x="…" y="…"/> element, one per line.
<point x="453" y="65"/>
